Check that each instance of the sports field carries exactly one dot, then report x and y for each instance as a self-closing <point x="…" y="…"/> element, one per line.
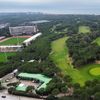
<point x="84" y="29"/>
<point x="61" y="59"/>
<point x="3" y="56"/>
<point x="13" y="41"/>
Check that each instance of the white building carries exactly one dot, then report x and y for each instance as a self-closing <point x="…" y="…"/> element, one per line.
<point x="23" y="30"/>
<point x="12" y="48"/>
<point x="29" y="40"/>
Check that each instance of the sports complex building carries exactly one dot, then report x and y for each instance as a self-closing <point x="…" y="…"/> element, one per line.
<point x="15" y="44"/>
<point x="23" y="30"/>
<point x="20" y="35"/>
<point x="42" y="80"/>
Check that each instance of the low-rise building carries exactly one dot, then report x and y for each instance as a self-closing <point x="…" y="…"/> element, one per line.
<point x="12" y="48"/>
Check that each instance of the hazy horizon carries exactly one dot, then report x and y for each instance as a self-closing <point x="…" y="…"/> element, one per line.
<point x="51" y="6"/>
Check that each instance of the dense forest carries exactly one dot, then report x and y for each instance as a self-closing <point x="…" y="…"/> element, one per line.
<point x="91" y="91"/>
<point x="82" y="49"/>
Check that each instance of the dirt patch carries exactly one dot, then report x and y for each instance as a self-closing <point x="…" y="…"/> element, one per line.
<point x="25" y="36"/>
<point x="97" y="61"/>
<point x="5" y="39"/>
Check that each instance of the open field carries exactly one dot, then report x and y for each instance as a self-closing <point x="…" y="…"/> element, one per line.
<point x="13" y="41"/>
<point x="3" y="57"/>
<point x="84" y="29"/>
<point x="97" y="41"/>
<point x="60" y="57"/>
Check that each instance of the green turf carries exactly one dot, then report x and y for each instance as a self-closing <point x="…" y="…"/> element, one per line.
<point x="97" y="41"/>
<point x="95" y="71"/>
<point x="61" y="59"/>
<point x="84" y="29"/>
<point x="3" y="57"/>
<point x="13" y="41"/>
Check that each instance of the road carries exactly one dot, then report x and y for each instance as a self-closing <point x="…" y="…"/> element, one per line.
<point x="13" y="97"/>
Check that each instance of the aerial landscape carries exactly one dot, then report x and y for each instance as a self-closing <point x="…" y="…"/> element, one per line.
<point x="47" y="52"/>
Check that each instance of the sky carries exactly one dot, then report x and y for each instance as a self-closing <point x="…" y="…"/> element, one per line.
<point x="51" y="6"/>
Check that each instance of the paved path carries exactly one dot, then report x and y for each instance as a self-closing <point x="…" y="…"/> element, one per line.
<point x="13" y="97"/>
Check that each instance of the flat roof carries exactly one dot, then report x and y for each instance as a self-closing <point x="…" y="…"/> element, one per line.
<point x="21" y="87"/>
<point x="39" y="77"/>
<point x="13" y="46"/>
<point x="32" y="38"/>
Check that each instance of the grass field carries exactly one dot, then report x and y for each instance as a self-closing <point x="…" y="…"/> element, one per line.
<point x="84" y="29"/>
<point x="61" y="59"/>
<point x="13" y="41"/>
<point x="97" y="41"/>
<point x="3" y="57"/>
<point x="95" y="71"/>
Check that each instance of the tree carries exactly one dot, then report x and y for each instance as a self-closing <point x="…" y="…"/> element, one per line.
<point x="30" y="88"/>
<point x="51" y="97"/>
<point x="55" y="92"/>
<point x="76" y="85"/>
<point x="42" y="91"/>
<point x="64" y="90"/>
<point x="97" y="96"/>
<point x="67" y="78"/>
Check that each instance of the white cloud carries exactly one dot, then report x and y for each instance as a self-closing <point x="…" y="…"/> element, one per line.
<point x="61" y="6"/>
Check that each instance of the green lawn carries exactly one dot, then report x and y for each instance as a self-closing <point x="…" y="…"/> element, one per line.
<point x="13" y="41"/>
<point x="84" y="29"/>
<point x="97" y="41"/>
<point x="61" y="59"/>
<point x="95" y="71"/>
<point x="3" y="57"/>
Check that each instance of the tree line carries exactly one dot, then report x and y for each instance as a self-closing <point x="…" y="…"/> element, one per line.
<point x="82" y="49"/>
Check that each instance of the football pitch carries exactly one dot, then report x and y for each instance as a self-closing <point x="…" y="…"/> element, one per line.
<point x="13" y="41"/>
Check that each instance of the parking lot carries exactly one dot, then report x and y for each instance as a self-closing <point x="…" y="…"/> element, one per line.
<point x="7" y="96"/>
